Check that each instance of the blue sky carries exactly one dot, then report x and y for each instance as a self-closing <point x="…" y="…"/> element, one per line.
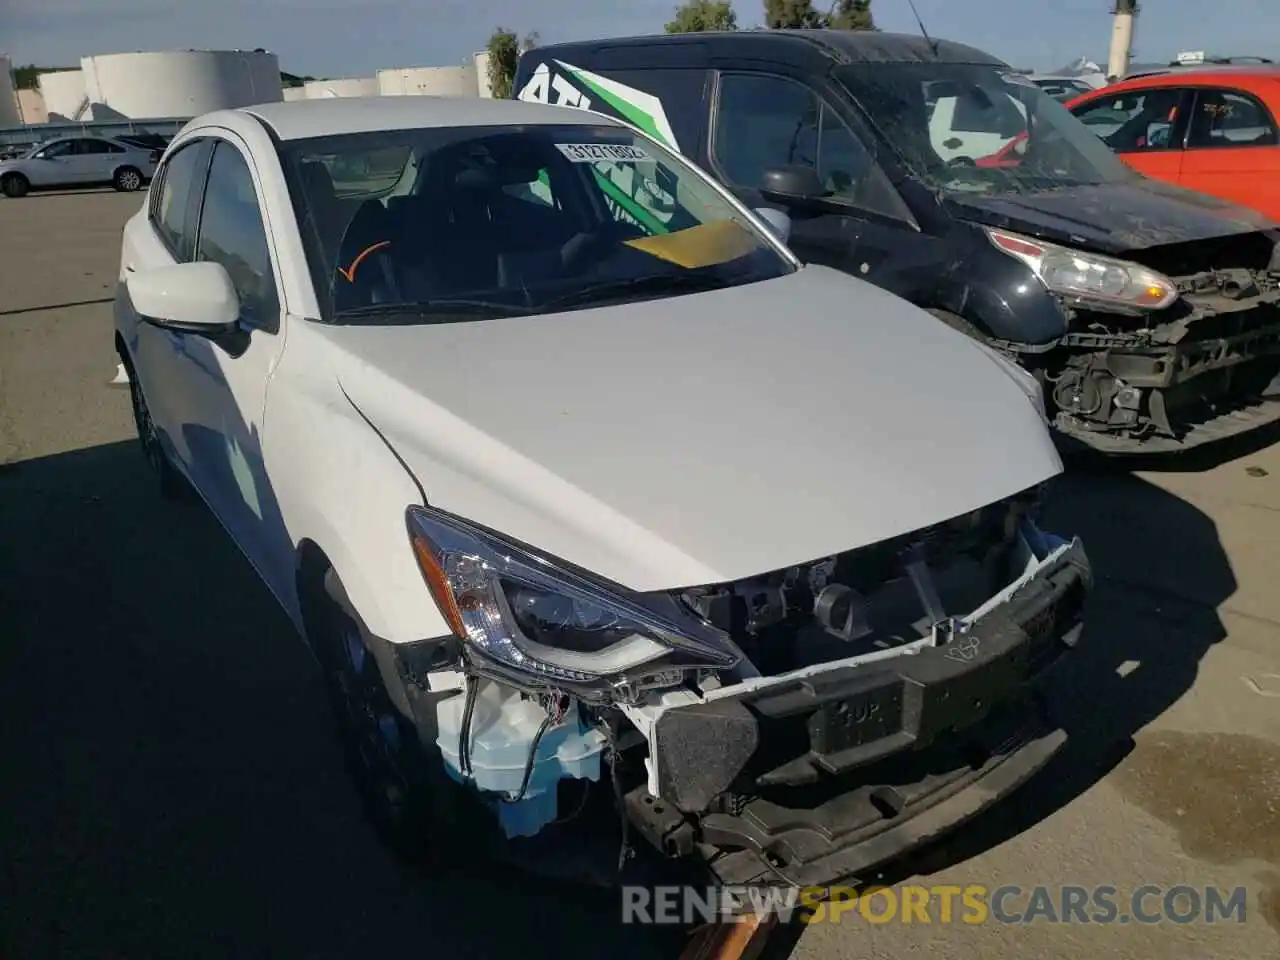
<point x="331" y="38"/>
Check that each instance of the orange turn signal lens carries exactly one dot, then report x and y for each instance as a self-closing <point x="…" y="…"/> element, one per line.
<point x="438" y="584"/>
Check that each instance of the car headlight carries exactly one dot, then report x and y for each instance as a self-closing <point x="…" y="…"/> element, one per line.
<point x="540" y="622"/>
<point x="1088" y="276"/>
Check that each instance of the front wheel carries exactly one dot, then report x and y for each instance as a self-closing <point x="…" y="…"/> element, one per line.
<point x="409" y="799"/>
<point x="127" y="180"/>
<point x="172" y="483"/>
<point x="14" y="185"/>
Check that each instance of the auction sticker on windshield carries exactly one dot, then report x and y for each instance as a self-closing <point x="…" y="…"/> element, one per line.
<point x="598" y="152"/>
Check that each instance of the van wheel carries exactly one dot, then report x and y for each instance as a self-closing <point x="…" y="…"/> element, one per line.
<point x="127" y="179"/>
<point x="411" y="802"/>
<point x="14" y="185"/>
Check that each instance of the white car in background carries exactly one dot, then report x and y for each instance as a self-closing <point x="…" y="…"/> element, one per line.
<point x="570" y="472"/>
<point x="78" y="162"/>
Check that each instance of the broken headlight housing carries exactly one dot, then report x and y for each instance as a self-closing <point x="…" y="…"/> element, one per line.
<point x="1088" y="277"/>
<point x="540" y="623"/>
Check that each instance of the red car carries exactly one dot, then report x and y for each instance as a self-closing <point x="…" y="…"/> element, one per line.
<point x="1211" y="129"/>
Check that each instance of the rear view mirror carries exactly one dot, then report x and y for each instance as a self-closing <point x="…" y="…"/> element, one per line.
<point x="186" y="297"/>
<point x="794" y="184"/>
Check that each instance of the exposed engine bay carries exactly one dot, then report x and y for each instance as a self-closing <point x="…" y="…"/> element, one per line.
<point x="889" y="654"/>
<point x="1205" y="367"/>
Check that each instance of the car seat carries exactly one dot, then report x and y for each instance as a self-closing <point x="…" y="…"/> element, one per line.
<point x="366" y="272"/>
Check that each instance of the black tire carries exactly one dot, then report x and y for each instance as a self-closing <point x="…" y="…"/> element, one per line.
<point x="127" y="179"/>
<point x="416" y="809"/>
<point x="14" y="185"/>
<point x="173" y="485"/>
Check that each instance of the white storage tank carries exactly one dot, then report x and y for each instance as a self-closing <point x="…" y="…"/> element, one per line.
<point x="178" y="83"/>
<point x="429" y="82"/>
<point x="294" y="93"/>
<point x="31" y="107"/>
<point x="9" y="114"/>
<point x="350" y="87"/>
<point x="64" y="95"/>
<point x="481" y="60"/>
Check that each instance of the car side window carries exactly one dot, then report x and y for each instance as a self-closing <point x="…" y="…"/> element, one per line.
<point x="232" y="234"/>
<point x="765" y="122"/>
<point x="60" y="149"/>
<point x="1230" y="118"/>
<point x="1134" y="121"/>
<point x="171" y="209"/>
<point x="92" y="147"/>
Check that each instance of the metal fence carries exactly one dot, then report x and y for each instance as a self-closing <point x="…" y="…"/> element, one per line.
<point x="16" y="139"/>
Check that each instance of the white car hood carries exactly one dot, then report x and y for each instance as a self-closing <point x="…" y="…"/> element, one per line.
<point x="703" y="438"/>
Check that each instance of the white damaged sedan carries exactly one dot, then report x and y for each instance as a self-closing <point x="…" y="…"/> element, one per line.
<point x="576" y="480"/>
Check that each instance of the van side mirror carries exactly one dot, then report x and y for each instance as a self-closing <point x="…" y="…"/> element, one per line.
<point x="793" y="184"/>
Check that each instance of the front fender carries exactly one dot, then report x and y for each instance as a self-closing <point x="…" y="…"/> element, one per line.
<point x="344" y="490"/>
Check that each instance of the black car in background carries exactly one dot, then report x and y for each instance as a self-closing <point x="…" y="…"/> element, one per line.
<point x="1150" y="314"/>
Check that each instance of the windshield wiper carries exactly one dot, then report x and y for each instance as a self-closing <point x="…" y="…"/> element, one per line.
<point x="656" y="284"/>
<point x="433" y="310"/>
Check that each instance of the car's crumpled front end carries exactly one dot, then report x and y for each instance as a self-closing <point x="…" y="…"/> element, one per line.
<point x="801" y="726"/>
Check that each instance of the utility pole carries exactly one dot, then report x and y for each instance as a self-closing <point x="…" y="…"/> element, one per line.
<point x="1124" y="15"/>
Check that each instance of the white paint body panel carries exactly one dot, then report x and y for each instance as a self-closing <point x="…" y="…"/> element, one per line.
<point x="662" y="443"/>
<point x="702" y="438"/>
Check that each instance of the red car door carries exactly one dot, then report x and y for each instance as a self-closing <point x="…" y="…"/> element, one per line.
<point x="1144" y="126"/>
<point x="1233" y="149"/>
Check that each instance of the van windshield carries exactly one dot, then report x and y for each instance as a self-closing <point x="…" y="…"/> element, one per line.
<point x="446" y="224"/>
<point x="978" y="128"/>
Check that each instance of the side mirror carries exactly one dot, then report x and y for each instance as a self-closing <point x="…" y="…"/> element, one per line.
<point x="779" y="223"/>
<point x="186" y="297"/>
<point x="792" y="185"/>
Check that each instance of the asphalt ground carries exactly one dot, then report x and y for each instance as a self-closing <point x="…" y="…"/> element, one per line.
<point x="170" y="785"/>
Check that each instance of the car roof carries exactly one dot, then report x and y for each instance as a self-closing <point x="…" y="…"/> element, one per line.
<point x="841" y="46"/>
<point x="1208" y="73"/>
<point x="301" y="119"/>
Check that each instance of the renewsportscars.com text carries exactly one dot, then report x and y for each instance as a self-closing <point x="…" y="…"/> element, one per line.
<point x="942" y="904"/>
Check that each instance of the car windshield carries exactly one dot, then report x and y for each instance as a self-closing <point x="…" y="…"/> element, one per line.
<point x="975" y="128"/>
<point x="440" y="224"/>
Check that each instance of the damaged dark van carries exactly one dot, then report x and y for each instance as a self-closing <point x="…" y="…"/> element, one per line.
<point x="1149" y="314"/>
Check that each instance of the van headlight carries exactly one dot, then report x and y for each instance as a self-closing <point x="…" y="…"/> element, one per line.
<point x="539" y="621"/>
<point x="1088" y="277"/>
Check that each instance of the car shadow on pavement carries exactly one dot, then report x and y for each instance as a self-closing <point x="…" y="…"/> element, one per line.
<point x="1161" y="574"/>
<point x="171" y="784"/>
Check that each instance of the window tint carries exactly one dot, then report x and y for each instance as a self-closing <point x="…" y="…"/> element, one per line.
<point x="60" y="149"/>
<point x="763" y="123"/>
<point x="1225" y="118"/>
<point x="232" y="234"/>
<point x="171" y="213"/>
<point x="978" y="112"/>
<point x="1135" y="121"/>
<point x="96" y="147"/>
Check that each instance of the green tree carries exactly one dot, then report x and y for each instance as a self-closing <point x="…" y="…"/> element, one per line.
<point x="792" y="15"/>
<point x="697" y="16"/>
<point x="851" y="15"/>
<point x="504" y="54"/>
<point x="801" y="14"/>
